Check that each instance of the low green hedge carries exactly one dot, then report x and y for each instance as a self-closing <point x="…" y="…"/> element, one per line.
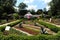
<point x="50" y="26"/>
<point x="21" y="37"/>
<point x="39" y="37"/>
<point x="2" y="28"/>
<point x="14" y="23"/>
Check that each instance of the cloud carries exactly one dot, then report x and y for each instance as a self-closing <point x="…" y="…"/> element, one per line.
<point x="46" y="1"/>
<point x="47" y="7"/>
<point x="30" y="7"/>
<point x="28" y="1"/>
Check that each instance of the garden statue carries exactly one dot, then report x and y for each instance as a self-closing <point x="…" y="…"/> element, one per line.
<point x="7" y="28"/>
<point x="6" y="32"/>
<point x="50" y="19"/>
<point x="43" y="30"/>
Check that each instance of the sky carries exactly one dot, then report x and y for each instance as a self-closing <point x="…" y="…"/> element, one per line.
<point x="35" y="4"/>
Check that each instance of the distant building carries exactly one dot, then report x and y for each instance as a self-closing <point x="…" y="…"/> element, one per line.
<point x="36" y="15"/>
<point x="28" y="15"/>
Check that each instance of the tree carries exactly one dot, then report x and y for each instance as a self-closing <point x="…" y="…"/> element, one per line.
<point x="39" y="11"/>
<point x="32" y="11"/>
<point x="55" y="7"/>
<point x="45" y="11"/>
<point x="22" y="6"/>
<point x="6" y="6"/>
<point x="15" y="16"/>
<point x="22" y="10"/>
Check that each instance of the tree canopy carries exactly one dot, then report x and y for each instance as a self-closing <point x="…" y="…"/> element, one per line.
<point x="6" y="7"/>
<point x="22" y="8"/>
<point x="55" y="7"/>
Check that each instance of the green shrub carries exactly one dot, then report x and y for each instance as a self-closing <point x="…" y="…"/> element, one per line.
<point x="15" y="16"/>
<point x="2" y="28"/>
<point x="50" y="26"/>
<point x="14" y="23"/>
<point x="38" y="37"/>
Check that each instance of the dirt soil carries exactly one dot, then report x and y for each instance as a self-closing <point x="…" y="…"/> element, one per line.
<point x="27" y="30"/>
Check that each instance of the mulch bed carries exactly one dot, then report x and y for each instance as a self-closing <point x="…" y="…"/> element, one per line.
<point x="32" y="26"/>
<point x="28" y="30"/>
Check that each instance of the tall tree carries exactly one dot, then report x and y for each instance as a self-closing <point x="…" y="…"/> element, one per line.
<point x="39" y="11"/>
<point x="32" y="11"/>
<point x="45" y="11"/>
<point x="55" y="7"/>
<point x="22" y="5"/>
<point x="22" y="10"/>
<point x="6" y="6"/>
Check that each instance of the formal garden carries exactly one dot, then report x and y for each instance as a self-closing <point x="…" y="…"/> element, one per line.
<point x="18" y="23"/>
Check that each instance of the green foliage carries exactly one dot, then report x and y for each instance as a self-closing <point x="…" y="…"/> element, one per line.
<point x="22" y="6"/>
<point x="15" y="16"/>
<point x="6" y="6"/>
<point x="14" y="23"/>
<point x="55" y="7"/>
<point x="39" y="11"/>
<point x="2" y="28"/>
<point x="22" y="10"/>
<point x="32" y="11"/>
<point x="2" y="21"/>
<point x="50" y="26"/>
<point x="39" y="37"/>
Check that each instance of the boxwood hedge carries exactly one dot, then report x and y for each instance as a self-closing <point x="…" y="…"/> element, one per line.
<point x="2" y="28"/>
<point x="50" y="26"/>
<point x="38" y="37"/>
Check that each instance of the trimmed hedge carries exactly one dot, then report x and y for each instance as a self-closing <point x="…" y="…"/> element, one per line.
<point x="14" y="23"/>
<point x="2" y="28"/>
<point x="39" y="37"/>
<point x="50" y="26"/>
<point x="21" y="37"/>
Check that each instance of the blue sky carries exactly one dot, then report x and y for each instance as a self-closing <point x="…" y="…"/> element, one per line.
<point x="35" y="4"/>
